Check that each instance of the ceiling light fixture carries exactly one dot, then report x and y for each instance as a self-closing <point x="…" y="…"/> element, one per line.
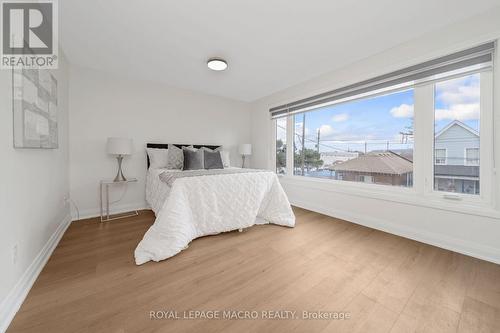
<point x="217" y="64"/>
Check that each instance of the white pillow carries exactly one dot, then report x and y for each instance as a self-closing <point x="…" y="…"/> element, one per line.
<point x="224" y="155"/>
<point x="158" y="158"/>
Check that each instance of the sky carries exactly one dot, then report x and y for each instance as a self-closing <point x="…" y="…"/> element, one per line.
<point x="380" y="119"/>
<point x="458" y="99"/>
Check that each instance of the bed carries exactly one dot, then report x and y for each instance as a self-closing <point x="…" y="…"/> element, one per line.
<point x="192" y="204"/>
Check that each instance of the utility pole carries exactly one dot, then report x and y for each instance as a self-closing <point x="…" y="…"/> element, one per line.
<point x="406" y="134"/>
<point x="303" y="157"/>
<point x="317" y="142"/>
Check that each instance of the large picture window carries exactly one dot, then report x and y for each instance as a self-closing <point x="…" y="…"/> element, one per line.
<point x="425" y="131"/>
<point x="368" y="140"/>
<point x="456" y="121"/>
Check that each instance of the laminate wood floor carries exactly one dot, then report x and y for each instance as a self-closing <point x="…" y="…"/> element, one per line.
<point x="385" y="283"/>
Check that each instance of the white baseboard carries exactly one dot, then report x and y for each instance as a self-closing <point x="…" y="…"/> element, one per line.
<point x="449" y="243"/>
<point x="15" y="298"/>
<point x="115" y="209"/>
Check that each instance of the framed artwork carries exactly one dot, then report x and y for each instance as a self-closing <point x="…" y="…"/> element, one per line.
<point x="34" y="104"/>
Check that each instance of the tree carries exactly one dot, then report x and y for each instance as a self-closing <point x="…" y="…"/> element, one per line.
<point x="312" y="159"/>
<point x="280" y="155"/>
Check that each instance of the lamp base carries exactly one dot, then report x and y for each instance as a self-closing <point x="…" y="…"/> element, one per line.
<point x="119" y="175"/>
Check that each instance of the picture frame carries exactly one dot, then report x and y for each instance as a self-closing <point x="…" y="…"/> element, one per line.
<point x="34" y="107"/>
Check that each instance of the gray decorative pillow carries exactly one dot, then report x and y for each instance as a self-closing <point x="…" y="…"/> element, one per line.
<point x="175" y="159"/>
<point x="212" y="150"/>
<point x="193" y="160"/>
<point x="212" y="160"/>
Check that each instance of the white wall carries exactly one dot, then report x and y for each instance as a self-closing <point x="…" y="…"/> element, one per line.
<point x="104" y="105"/>
<point x="33" y="188"/>
<point x="475" y="233"/>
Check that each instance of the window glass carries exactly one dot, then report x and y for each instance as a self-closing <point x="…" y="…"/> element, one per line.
<point x="369" y="140"/>
<point x="281" y="146"/>
<point x="456" y="126"/>
<point x="471" y="156"/>
<point x="440" y="156"/>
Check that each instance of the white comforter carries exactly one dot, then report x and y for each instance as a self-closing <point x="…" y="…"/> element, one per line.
<point x="156" y="190"/>
<point x="207" y="205"/>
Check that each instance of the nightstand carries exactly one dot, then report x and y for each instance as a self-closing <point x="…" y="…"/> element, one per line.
<point x="105" y="184"/>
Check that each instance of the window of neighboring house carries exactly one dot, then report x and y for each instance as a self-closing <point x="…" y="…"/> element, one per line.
<point x="471" y="156"/>
<point x="456" y="123"/>
<point x="371" y="136"/>
<point x="440" y="156"/>
<point x="281" y="146"/>
<point x="366" y="179"/>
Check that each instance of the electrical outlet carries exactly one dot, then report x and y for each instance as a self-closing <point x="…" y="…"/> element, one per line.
<point x="14" y="254"/>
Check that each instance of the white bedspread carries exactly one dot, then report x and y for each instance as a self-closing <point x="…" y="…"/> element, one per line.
<point x="156" y="190"/>
<point x="207" y="205"/>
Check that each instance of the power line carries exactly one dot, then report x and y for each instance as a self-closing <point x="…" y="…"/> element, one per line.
<point x="321" y="144"/>
<point x="367" y="142"/>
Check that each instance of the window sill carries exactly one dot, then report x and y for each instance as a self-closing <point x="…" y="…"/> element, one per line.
<point x="407" y="196"/>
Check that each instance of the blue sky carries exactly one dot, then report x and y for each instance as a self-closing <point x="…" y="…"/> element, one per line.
<point x="346" y="126"/>
<point x="380" y="119"/>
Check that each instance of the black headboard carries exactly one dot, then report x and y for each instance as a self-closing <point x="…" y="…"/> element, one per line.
<point x="165" y="146"/>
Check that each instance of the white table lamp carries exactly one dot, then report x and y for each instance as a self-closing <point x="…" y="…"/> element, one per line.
<point x="245" y="149"/>
<point x="119" y="147"/>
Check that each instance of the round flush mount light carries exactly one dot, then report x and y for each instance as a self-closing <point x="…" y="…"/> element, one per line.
<point x="217" y="64"/>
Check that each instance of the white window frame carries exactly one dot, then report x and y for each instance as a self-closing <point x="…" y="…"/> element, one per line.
<point x="486" y="175"/>
<point x="445" y="156"/>
<point x="422" y="193"/>
<point x="466" y="159"/>
<point x="275" y="139"/>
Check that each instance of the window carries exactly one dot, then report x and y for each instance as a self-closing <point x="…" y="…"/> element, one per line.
<point x="456" y="124"/>
<point x="471" y="156"/>
<point x="281" y="146"/>
<point x="432" y="120"/>
<point x="440" y="156"/>
<point x="368" y="140"/>
<point x="366" y="179"/>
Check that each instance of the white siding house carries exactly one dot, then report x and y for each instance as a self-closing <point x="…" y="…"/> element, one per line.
<point x="456" y="159"/>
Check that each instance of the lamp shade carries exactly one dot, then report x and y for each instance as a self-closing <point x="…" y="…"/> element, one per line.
<point x="119" y="146"/>
<point x="245" y="149"/>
